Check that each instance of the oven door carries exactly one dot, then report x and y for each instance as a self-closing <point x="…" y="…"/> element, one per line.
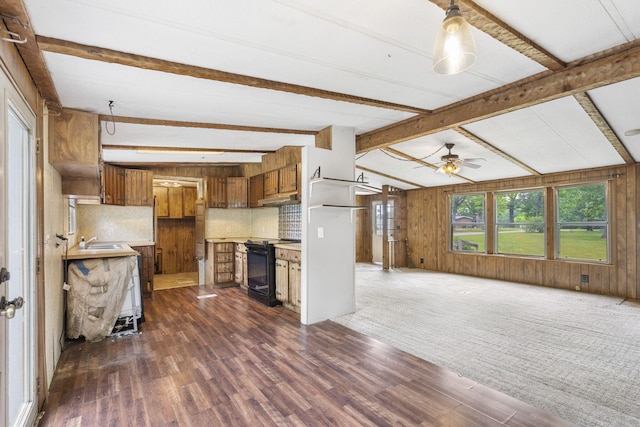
<point x="258" y="270"/>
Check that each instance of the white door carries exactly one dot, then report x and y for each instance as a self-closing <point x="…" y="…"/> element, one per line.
<point x="17" y="249"/>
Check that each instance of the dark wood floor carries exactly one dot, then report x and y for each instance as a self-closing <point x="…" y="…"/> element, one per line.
<point x="229" y="361"/>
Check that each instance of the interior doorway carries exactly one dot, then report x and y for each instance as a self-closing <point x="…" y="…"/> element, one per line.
<point x="175" y="231"/>
<point x="18" y="405"/>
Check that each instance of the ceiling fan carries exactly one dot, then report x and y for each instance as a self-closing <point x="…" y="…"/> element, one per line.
<point x="451" y="162"/>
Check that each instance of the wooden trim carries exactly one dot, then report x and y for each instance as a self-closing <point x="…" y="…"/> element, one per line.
<point x="31" y="56"/>
<point x="388" y="176"/>
<point x="177" y="123"/>
<point x="608" y="67"/>
<point x="42" y="391"/>
<point x="180" y="149"/>
<point x="324" y="139"/>
<point x="96" y="53"/>
<point x="592" y="110"/>
<point x="13" y="66"/>
<point x="485" y="144"/>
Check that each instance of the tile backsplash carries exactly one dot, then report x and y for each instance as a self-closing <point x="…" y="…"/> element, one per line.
<point x="290" y="222"/>
<point x="115" y="223"/>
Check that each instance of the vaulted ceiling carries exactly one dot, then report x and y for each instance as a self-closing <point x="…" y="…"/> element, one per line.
<point x="555" y="87"/>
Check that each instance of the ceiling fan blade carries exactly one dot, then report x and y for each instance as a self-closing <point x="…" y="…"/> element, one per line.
<point x="632" y="132"/>
<point x="471" y="165"/>
<point x="474" y="159"/>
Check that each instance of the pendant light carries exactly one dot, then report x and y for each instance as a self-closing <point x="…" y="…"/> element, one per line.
<point x="455" y="49"/>
<point x="449" y="168"/>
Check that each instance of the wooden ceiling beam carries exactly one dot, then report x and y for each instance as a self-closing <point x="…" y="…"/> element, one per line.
<point x="475" y="138"/>
<point x="490" y="24"/>
<point x="17" y="21"/>
<point x="175" y="123"/>
<point x="609" y="67"/>
<point x="594" y="113"/>
<point x="395" y="178"/>
<point x="131" y="60"/>
<point x="184" y="150"/>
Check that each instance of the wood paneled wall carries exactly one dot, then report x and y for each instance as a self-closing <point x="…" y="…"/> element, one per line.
<point x="176" y="239"/>
<point x="428" y="236"/>
<point x="364" y="229"/>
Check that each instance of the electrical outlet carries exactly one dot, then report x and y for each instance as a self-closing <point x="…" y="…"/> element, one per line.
<point x="421" y="260"/>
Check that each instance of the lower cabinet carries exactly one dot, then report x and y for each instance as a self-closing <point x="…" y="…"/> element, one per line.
<point x="147" y="254"/>
<point x="288" y="278"/>
<point x="240" y="275"/>
<point x="220" y="263"/>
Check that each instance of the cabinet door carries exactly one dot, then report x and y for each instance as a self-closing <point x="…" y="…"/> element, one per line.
<point x="208" y="270"/>
<point x="294" y="284"/>
<point x="74" y="148"/>
<point x="138" y="187"/>
<point x="216" y="192"/>
<point x="189" y="196"/>
<point x="288" y="179"/>
<point x="161" y="195"/>
<point x="175" y="202"/>
<point x="237" y="192"/>
<point x="146" y="269"/>
<point x="256" y="190"/>
<point x="245" y="276"/>
<point x="200" y="223"/>
<point x="239" y="270"/>
<point x="271" y="183"/>
<point x="282" y="280"/>
<point x="113" y="182"/>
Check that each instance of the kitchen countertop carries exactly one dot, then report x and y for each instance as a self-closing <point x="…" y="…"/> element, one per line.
<point x="276" y="242"/>
<point x="76" y="253"/>
<point x="289" y="245"/>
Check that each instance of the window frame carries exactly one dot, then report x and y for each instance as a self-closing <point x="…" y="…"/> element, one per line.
<point x="607" y="223"/>
<point x="452" y="223"/>
<point x="497" y="223"/>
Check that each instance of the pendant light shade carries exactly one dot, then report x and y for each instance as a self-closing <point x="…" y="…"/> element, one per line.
<point x="449" y="168"/>
<point x="455" y="48"/>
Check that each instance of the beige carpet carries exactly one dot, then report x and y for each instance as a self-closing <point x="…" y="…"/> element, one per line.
<point x="574" y="354"/>
<point x="177" y="280"/>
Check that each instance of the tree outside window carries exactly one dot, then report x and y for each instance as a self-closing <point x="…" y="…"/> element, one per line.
<point x="520" y="223"/>
<point x="467" y="222"/>
<point x="582" y="228"/>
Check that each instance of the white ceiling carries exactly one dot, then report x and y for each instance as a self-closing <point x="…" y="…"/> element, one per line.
<point x="378" y="50"/>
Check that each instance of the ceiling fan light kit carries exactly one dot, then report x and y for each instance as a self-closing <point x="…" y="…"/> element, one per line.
<point x="455" y="49"/>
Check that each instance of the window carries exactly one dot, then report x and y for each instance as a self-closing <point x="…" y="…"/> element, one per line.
<point x="379" y="219"/>
<point x="72" y="217"/>
<point x="582" y="229"/>
<point x="467" y="222"/>
<point x="520" y="223"/>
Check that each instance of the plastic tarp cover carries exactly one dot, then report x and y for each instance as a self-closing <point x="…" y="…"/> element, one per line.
<point x="97" y="291"/>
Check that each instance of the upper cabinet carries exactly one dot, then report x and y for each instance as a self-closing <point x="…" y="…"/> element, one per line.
<point x="231" y="192"/>
<point x="189" y="197"/>
<point x="74" y="148"/>
<point x="271" y="183"/>
<point x="138" y="187"/>
<point x="161" y="194"/>
<point x="288" y="179"/>
<point x="127" y="187"/>
<point x="175" y="202"/>
<point x="256" y="190"/>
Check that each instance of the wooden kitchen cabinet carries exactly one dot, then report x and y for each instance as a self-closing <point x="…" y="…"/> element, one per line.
<point x="237" y="192"/>
<point x="220" y="263"/>
<point x="138" y="187"/>
<point x="240" y="274"/>
<point x="175" y="202"/>
<point x="146" y="268"/>
<point x="161" y="194"/>
<point x="74" y="148"/>
<point x="288" y="278"/>
<point x="256" y="190"/>
<point x="114" y="185"/>
<point x="189" y="197"/>
<point x="288" y="179"/>
<point x="282" y="281"/>
<point x="216" y="192"/>
<point x="271" y="183"/>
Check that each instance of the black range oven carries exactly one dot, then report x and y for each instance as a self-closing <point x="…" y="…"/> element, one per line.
<point x="261" y="272"/>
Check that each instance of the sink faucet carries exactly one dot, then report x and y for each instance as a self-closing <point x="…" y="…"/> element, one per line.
<point x="91" y="240"/>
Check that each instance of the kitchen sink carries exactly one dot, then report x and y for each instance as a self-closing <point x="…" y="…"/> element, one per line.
<point x="103" y="246"/>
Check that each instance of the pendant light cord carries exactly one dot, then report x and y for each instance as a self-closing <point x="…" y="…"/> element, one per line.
<point x="113" y="121"/>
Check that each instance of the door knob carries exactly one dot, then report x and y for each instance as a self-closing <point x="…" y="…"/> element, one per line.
<point x="8" y="308"/>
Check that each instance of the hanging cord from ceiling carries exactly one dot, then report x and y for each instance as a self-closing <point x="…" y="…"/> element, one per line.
<point x="113" y="121"/>
<point x="411" y="160"/>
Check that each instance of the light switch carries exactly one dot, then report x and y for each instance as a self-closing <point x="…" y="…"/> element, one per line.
<point x="320" y="232"/>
